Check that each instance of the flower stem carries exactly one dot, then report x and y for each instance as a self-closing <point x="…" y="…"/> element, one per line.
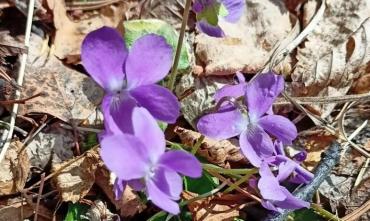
<point x="196" y="146"/>
<point x="324" y="213"/>
<point x="229" y="171"/>
<point x="171" y="82"/>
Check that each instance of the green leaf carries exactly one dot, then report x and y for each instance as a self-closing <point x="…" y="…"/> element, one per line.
<point x="306" y="215"/>
<point x="90" y="141"/>
<point x="75" y="211"/>
<point x="162" y="125"/>
<point x="202" y="185"/>
<point x="212" y="13"/>
<point x="135" y="29"/>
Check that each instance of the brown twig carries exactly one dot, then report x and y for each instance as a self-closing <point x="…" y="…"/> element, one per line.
<point x="229" y="183"/>
<point x="325" y="100"/>
<point x="39" y="196"/>
<point x="20" y="101"/>
<point x="357" y="212"/>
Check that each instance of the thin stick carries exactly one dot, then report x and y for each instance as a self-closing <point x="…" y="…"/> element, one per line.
<point x="357" y="212"/>
<point x="171" y="82"/>
<point x="22" y="68"/>
<point x="39" y="196"/>
<point x="229" y="183"/>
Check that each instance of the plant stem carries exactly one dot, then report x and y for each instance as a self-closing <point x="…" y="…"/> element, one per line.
<point x="324" y="213"/>
<point x="196" y="146"/>
<point x="171" y="82"/>
<point x="230" y="171"/>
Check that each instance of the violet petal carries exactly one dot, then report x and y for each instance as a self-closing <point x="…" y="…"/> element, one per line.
<point x="268" y="185"/>
<point x="181" y="162"/>
<point x="148" y="131"/>
<point x="119" y="187"/>
<point x="234" y="91"/>
<point x="149" y="61"/>
<point x="99" y="45"/>
<point x="291" y="202"/>
<point x="159" y="101"/>
<point x="121" y="112"/>
<point x="279" y="126"/>
<point x="261" y="93"/>
<point x="124" y="155"/>
<point x="211" y="30"/>
<point x="235" y="9"/>
<point x="222" y="125"/>
<point x="161" y="199"/>
<point x="168" y="181"/>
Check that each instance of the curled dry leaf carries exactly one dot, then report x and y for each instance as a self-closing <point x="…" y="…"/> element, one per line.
<point x="217" y="152"/>
<point x="129" y="205"/>
<point x="249" y="43"/>
<point x="225" y="207"/>
<point x="70" y="33"/>
<point x="75" y="181"/>
<point x="99" y="211"/>
<point x="335" y="53"/>
<point x="14" y="169"/>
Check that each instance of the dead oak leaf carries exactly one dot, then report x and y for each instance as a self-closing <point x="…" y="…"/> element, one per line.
<point x="248" y="43"/>
<point x="14" y="169"/>
<point x="70" y="33"/>
<point x="76" y="180"/>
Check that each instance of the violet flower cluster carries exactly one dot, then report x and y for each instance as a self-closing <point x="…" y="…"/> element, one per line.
<point x="254" y="127"/>
<point x="133" y="145"/>
<point x="209" y="12"/>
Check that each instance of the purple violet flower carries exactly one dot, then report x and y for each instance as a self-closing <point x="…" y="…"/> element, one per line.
<point x="129" y="77"/>
<point x="210" y="11"/>
<point x="276" y="197"/>
<point x="140" y="160"/>
<point x="255" y="143"/>
<point x="289" y="168"/>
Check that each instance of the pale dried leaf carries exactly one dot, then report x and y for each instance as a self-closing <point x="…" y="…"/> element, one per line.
<point x="67" y="94"/>
<point x="213" y="208"/>
<point x="12" y="210"/>
<point x="336" y="52"/>
<point x="69" y="33"/>
<point x="75" y="181"/>
<point x="217" y="152"/>
<point x="129" y="205"/>
<point x="196" y="94"/>
<point x="99" y="211"/>
<point x="249" y="43"/>
<point x="55" y="145"/>
<point x="14" y="169"/>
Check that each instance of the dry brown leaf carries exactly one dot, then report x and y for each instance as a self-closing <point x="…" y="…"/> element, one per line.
<point x="129" y="205"/>
<point x="249" y="43"/>
<point x="362" y="85"/>
<point x="216" y="208"/>
<point x="69" y="33"/>
<point x="315" y="145"/>
<point x="217" y="152"/>
<point x="54" y="145"/>
<point x="167" y="10"/>
<point x="75" y="181"/>
<point x="67" y="94"/>
<point x="336" y="52"/>
<point x="14" y="169"/>
<point x="12" y="210"/>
